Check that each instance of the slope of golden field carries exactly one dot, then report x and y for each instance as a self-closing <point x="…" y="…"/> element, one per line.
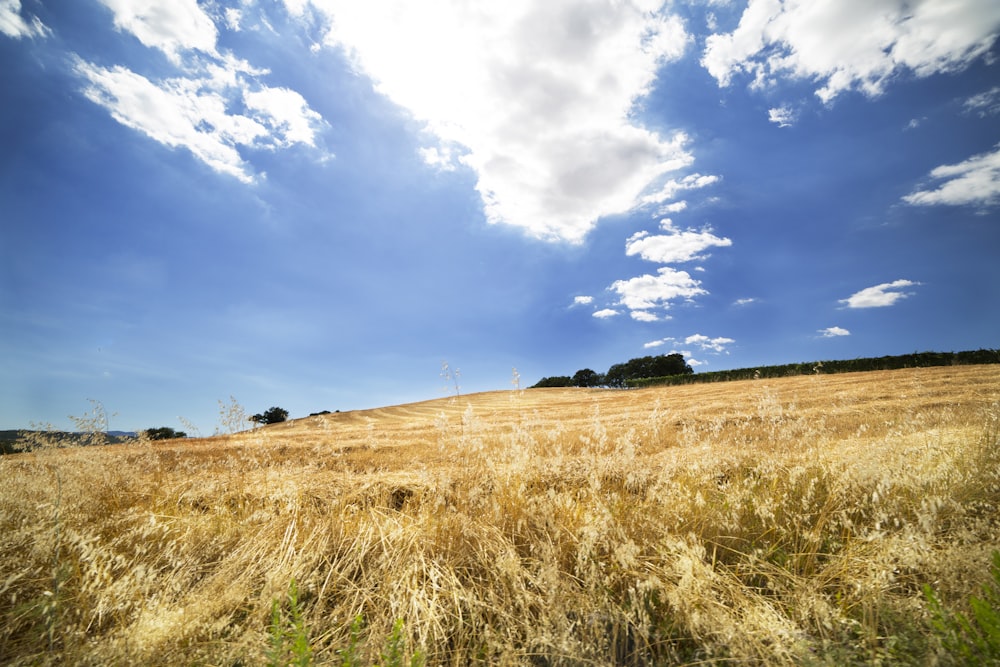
<point x="773" y="521"/>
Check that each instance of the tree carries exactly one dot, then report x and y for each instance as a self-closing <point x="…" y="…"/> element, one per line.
<point x="556" y="381"/>
<point x="618" y="376"/>
<point x="164" y="433"/>
<point x="587" y="378"/>
<point x="271" y="416"/>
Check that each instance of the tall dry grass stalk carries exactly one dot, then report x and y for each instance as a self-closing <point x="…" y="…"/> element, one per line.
<point x="772" y="522"/>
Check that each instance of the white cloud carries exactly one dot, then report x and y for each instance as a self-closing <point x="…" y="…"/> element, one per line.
<point x="233" y="18"/>
<point x="14" y="25"/>
<point x="606" y="313"/>
<point x="975" y="181"/>
<point x="705" y="343"/>
<point x="193" y="113"/>
<point x="744" y="302"/>
<point x="172" y="26"/>
<point x="583" y="300"/>
<point x="984" y="104"/>
<point x="879" y="296"/>
<point x="851" y="44"/>
<point x="287" y="113"/>
<point x="539" y="93"/>
<point x="174" y="113"/>
<point x="675" y="245"/>
<point x="833" y="332"/>
<point x="782" y="116"/>
<point x="648" y="292"/>
<point x="195" y="109"/>
<point x="670" y="189"/>
<point x="644" y="316"/>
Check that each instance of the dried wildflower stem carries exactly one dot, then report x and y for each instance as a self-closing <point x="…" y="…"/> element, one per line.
<point x="778" y="522"/>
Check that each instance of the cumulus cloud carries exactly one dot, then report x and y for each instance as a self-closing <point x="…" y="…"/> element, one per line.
<point x="606" y="313"/>
<point x="975" y="182"/>
<point x="834" y="332"/>
<point x="14" y="25"/>
<point x="879" y="296"/>
<point x="674" y="246"/>
<point x="649" y="292"/>
<point x="851" y="44"/>
<point x="583" y="300"/>
<point x="195" y="109"/>
<point x="539" y="94"/>
<point x="645" y="316"/>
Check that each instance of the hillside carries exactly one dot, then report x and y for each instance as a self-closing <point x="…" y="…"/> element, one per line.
<point x="775" y="521"/>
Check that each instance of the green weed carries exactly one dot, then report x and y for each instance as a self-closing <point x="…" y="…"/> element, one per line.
<point x="972" y="639"/>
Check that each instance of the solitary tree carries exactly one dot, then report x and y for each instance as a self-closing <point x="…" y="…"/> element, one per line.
<point x="271" y="416"/>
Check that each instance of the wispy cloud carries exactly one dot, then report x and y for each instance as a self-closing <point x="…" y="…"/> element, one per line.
<point x="13" y="24"/>
<point x="984" y="104"/>
<point x="672" y="187"/>
<point x="851" y="44"/>
<point x="606" y="313"/>
<point x="195" y="108"/>
<point x="975" y="182"/>
<point x="539" y="94"/>
<point x="745" y="301"/>
<point x="879" y="296"/>
<point x="834" y="332"/>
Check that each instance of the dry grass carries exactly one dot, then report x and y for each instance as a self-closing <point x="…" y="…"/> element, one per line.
<point x="784" y="521"/>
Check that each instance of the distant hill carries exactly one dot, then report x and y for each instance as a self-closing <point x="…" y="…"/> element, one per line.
<point x="10" y="438"/>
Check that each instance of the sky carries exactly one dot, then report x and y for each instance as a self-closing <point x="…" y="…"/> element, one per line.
<point x="315" y="204"/>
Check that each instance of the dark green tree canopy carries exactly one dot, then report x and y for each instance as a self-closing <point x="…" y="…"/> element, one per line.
<point x="555" y="381"/>
<point x="271" y="416"/>
<point x="587" y="378"/>
<point x="619" y="375"/>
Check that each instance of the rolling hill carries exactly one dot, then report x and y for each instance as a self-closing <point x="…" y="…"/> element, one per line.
<point x="774" y="521"/>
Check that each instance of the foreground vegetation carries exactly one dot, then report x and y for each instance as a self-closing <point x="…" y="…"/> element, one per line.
<point x="825" y="520"/>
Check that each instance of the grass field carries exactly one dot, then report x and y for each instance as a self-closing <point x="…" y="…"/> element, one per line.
<point x="787" y="521"/>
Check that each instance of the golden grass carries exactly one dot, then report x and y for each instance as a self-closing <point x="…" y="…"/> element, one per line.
<point x="783" y="521"/>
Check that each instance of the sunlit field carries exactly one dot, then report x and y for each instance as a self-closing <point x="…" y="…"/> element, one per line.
<point x="789" y="521"/>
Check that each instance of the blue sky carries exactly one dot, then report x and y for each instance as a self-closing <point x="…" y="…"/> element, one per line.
<point x="313" y="204"/>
